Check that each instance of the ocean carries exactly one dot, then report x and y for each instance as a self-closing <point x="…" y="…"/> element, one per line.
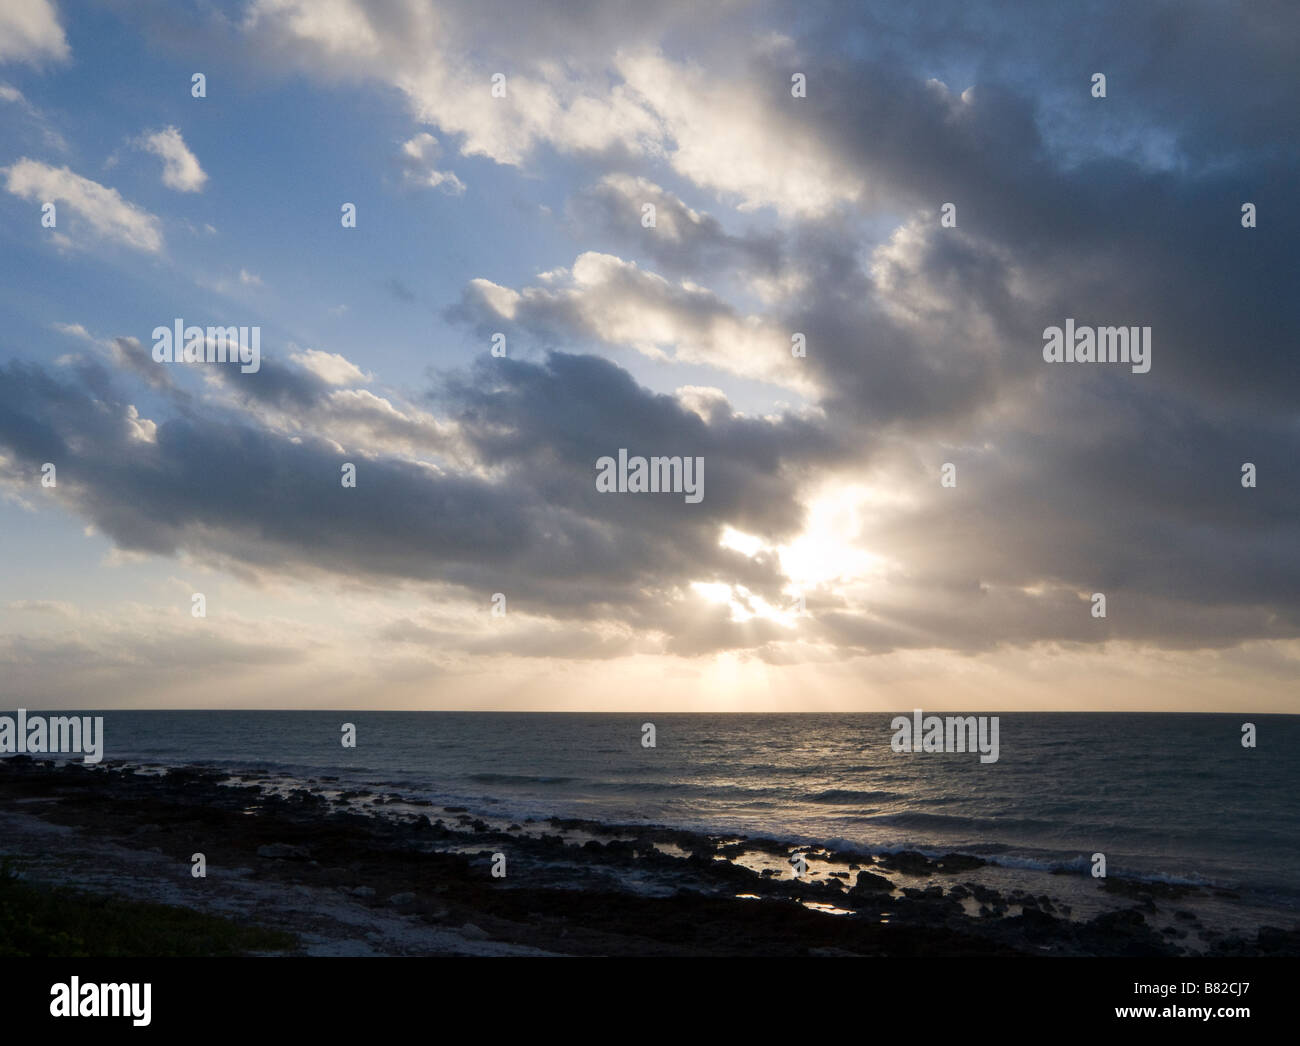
<point x="1175" y="798"/>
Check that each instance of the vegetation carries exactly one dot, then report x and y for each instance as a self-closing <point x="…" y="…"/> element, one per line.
<point x="37" y="919"/>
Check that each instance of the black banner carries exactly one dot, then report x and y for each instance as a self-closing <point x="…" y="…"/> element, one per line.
<point x="148" y="996"/>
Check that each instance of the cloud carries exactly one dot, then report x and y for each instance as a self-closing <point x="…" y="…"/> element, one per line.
<point x="50" y="137"/>
<point x="531" y="639"/>
<point x="682" y="240"/>
<point x="743" y="134"/>
<point x="181" y="170"/>
<point x="73" y="330"/>
<point x="130" y="355"/>
<point x="30" y="32"/>
<point x="102" y="208"/>
<point x="45" y="606"/>
<point x="330" y="367"/>
<point x="923" y="342"/>
<point x="139" y="651"/>
<point x="223" y="487"/>
<point x="418" y="165"/>
<point x="614" y="302"/>
<point x="425" y="52"/>
<point x="724" y="124"/>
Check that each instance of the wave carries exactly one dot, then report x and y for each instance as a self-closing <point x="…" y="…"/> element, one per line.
<point x="816" y="816"/>
<point x="519" y="779"/>
<point x="919" y="819"/>
<point x="834" y="796"/>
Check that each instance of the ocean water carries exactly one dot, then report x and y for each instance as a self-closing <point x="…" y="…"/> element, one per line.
<point x="1170" y="797"/>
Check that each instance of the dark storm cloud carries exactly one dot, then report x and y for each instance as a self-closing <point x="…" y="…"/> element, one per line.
<point x="217" y="484"/>
<point x="552" y="422"/>
<point x="1217" y="78"/>
<point x="130" y="355"/>
<point x="275" y="384"/>
<point x="1103" y="480"/>
<point x="1134" y="495"/>
<point x="1108" y="238"/>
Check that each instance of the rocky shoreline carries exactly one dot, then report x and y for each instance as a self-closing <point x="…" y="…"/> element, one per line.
<point x="355" y="873"/>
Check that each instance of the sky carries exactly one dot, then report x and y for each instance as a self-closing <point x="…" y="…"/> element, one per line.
<point x="865" y="218"/>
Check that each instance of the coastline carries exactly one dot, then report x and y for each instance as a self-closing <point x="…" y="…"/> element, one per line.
<point x="349" y="872"/>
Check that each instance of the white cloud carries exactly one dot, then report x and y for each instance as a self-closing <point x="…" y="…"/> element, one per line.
<point x="74" y="330"/>
<point x="103" y="208"/>
<point x="418" y="156"/>
<point x="616" y="302"/>
<point x="181" y="170"/>
<point x="249" y="279"/>
<point x="330" y="367"/>
<point x="718" y="128"/>
<point x="702" y="399"/>
<point x="30" y="31"/>
<point x="726" y="135"/>
<point x="421" y="50"/>
<point x="141" y="430"/>
<point x="45" y="606"/>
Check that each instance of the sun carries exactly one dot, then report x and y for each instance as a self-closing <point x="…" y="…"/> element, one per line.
<point x="827" y="555"/>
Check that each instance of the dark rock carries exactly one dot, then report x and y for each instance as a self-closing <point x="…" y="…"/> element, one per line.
<point x="950" y="863"/>
<point x="284" y="852"/>
<point x="908" y="862"/>
<point x="1274" y="941"/>
<point x="870" y="882"/>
